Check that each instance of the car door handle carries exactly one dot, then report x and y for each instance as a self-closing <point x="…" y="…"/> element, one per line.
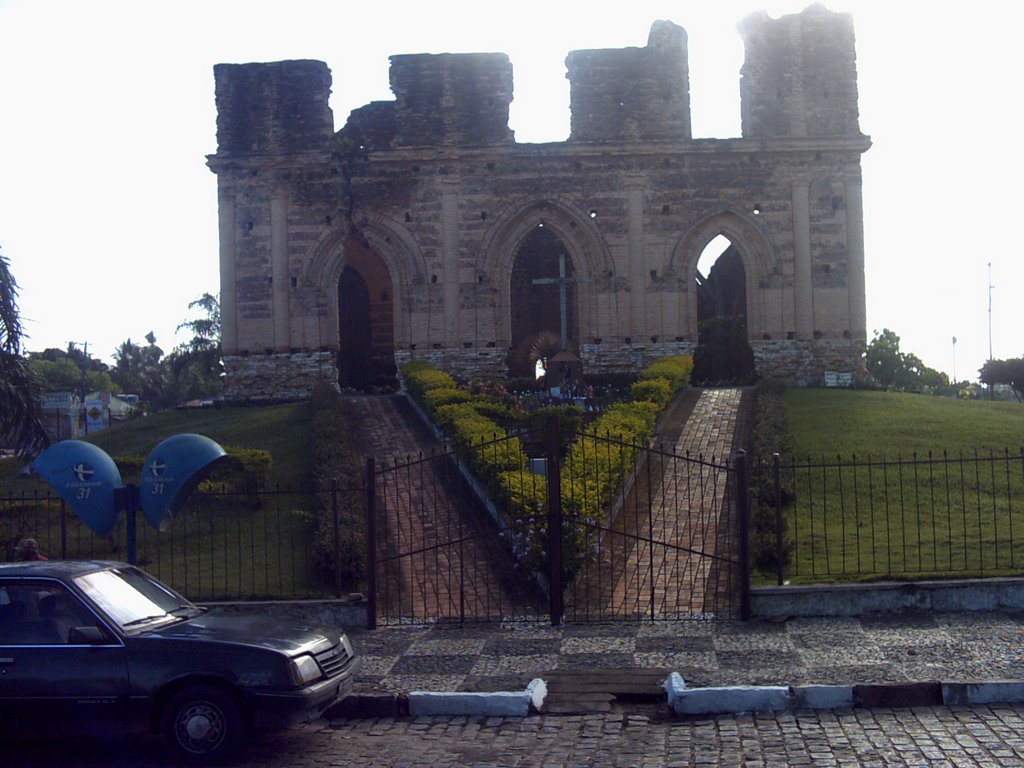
<point x="6" y="660"/>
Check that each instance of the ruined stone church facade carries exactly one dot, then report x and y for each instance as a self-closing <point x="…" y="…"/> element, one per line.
<point x="423" y="230"/>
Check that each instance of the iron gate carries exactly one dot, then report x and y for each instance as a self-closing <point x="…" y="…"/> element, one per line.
<point x="612" y="531"/>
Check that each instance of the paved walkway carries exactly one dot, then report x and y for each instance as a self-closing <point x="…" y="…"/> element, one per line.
<point x="667" y="551"/>
<point x="955" y="647"/>
<point x="435" y="559"/>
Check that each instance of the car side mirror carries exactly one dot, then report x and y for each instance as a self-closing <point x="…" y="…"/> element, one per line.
<point x="86" y="636"/>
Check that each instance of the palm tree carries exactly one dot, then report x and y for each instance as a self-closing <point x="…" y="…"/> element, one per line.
<point x="21" y="424"/>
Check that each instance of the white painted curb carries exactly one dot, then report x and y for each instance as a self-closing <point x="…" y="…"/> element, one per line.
<point x="712" y="701"/>
<point x="490" y="704"/>
<point x="993" y="692"/>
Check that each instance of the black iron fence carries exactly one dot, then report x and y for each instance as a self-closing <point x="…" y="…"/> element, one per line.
<point x="920" y="517"/>
<point x="224" y="544"/>
<point x="674" y="544"/>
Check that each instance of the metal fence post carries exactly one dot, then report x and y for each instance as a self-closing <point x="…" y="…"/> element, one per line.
<point x="371" y="546"/>
<point x="779" y="546"/>
<point x="743" y="531"/>
<point x="555" y="603"/>
<point x="63" y="529"/>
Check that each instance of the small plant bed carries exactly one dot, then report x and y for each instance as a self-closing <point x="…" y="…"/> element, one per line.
<point x="497" y="435"/>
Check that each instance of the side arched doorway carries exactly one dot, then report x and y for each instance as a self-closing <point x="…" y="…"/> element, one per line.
<point x="543" y="299"/>
<point x="723" y="351"/>
<point x="366" y="329"/>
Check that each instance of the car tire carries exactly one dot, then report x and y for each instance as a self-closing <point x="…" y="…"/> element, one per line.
<point x="202" y="724"/>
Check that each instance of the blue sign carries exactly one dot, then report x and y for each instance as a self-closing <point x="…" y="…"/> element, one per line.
<point x="172" y="471"/>
<point x="86" y="478"/>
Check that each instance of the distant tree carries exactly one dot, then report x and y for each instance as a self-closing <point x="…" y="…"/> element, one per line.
<point x="60" y="370"/>
<point x="884" y="359"/>
<point x="21" y="423"/>
<point x="1010" y="372"/>
<point x="141" y="370"/>
<point x="195" y="366"/>
<point x="895" y="369"/>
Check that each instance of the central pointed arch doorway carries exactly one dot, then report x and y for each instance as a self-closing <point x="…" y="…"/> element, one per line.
<point x="543" y="301"/>
<point x="366" y="329"/>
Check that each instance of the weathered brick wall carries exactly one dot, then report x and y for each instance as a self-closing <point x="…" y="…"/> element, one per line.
<point x="634" y="93"/>
<point x="277" y="377"/>
<point x="434" y="185"/>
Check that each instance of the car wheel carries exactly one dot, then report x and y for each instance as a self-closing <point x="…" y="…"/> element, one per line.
<point x="202" y="724"/>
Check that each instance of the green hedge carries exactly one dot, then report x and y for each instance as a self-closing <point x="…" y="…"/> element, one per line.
<point x="676" y="369"/>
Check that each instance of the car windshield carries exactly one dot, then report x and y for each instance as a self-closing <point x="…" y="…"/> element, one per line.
<point x="133" y="599"/>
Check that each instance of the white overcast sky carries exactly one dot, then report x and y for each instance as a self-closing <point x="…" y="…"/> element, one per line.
<point x="108" y="212"/>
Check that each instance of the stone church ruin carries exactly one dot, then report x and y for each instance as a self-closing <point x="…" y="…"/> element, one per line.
<point x="422" y="229"/>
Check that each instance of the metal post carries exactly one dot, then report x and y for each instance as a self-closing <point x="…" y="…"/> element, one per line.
<point x="371" y="546"/>
<point x="554" y="477"/>
<point x="132" y="504"/>
<point x="337" y="536"/>
<point x="743" y="532"/>
<point x="63" y="530"/>
<point x="779" y="546"/>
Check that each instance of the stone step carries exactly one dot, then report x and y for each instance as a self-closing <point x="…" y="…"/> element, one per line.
<point x="583" y="691"/>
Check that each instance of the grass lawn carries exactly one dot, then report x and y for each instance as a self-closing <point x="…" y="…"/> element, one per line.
<point x="830" y="422"/>
<point x="886" y="515"/>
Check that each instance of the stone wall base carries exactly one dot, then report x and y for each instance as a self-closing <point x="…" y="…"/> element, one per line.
<point x="292" y="376"/>
<point x="277" y="377"/>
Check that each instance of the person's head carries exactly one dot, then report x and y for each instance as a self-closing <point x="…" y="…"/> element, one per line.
<point x="28" y="549"/>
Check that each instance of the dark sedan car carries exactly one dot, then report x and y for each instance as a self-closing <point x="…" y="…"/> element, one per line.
<point x="103" y="647"/>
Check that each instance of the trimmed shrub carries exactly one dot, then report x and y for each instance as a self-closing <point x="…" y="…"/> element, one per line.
<point x="654" y="390"/>
<point x="676" y="369"/>
<point x="420" y="377"/>
<point x="434" y="398"/>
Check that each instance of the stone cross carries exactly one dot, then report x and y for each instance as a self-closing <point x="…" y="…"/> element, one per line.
<point x="563" y="283"/>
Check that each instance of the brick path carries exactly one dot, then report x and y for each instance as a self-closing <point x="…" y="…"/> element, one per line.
<point x="681" y="513"/>
<point x="440" y="561"/>
<point x="925" y="736"/>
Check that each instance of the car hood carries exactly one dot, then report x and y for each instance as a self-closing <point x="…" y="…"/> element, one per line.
<point x="253" y="630"/>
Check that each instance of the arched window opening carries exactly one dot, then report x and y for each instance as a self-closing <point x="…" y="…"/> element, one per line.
<point x="723" y="353"/>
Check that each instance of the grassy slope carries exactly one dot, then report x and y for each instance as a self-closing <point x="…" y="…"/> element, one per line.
<point x="281" y="429"/>
<point x="942" y="521"/>
<point x="827" y="422"/>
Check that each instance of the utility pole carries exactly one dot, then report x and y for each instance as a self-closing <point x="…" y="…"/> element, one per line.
<point x="954" y="360"/>
<point x="991" y="387"/>
<point x="990" y="310"/>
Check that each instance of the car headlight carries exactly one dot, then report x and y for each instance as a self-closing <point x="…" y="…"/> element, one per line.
<point x="305" y="670"/>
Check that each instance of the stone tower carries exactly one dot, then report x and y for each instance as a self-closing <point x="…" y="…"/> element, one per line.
<point x="422" y="229"/>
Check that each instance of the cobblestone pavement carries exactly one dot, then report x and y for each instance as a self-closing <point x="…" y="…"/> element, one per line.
<point x="926" y="736"/>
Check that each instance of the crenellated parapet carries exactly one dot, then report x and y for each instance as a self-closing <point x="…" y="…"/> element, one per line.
<point x="632" y="94"/>
<point x="799" y="76"/>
